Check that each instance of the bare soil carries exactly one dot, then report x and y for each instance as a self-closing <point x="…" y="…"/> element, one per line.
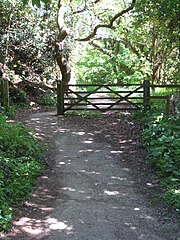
<point x="97" y="183"/>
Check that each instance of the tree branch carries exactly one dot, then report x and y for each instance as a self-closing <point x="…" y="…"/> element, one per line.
<point x="81" y="10"/>
<point x="63" y="31"/>
<point x="96" y="46"/>
<point x="110" y="25"/>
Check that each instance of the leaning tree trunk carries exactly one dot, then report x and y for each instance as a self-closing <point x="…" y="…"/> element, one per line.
<point x="62" y="59"/>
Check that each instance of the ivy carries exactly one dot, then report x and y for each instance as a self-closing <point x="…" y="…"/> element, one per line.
<point x="161" y="137"/>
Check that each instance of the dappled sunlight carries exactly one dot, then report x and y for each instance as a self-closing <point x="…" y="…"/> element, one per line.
<point x="65" y="162"/>
<point x="69" y="189"/>
<point x="111" y="193"/>
<point x="136" y="209"/>
<point x="40" y="204"/>
<point x="116" y="152"/>
<point x="38" y="228"/>
<point x="126" y="169"/>
<point x="87" y="141"/>
<point x="79" y="133"/>
<point x="119" y="178"/>
<point x="90" y="173"/>
<point x="43" y="193"/>
<point x="94" y="184"/>
<point x="86" y="150"/>
<point x="147" y="217"/>
<point x="54" y="224"/>
<point x="62" y="163"/>
<point x="130" y="226"/>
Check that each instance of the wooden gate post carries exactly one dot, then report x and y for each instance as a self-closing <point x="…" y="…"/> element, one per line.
<point x="146" y="96"/>
<point x="4" y="95"/>
<point x="60" y="98"/>
<point x="1" y="95"/>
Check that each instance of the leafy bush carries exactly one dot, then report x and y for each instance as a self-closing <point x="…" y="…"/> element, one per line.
<point x="173" y="197"/>
<point x="16" y="141"/>
<point x="161" y="137"/>
<point x="18" y="95"/>
<point x="48" y="99"/>
<point x="19" y="165"/>
<point x="8" y="111"/>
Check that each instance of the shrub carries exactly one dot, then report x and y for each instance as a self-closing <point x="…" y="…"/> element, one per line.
<point x="161" y="137"/>
<point x="18" y="96"/>
<point x="48" y="99"/>
<point x="19" y="165"/>
<point x="16" y="141"/>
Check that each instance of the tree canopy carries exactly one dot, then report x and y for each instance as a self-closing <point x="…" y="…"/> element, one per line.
<point x="119" y="41"/>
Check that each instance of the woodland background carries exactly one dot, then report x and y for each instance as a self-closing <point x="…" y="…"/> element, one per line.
<point x="103" y="41"/>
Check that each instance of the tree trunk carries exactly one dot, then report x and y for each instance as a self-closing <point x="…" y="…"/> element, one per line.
<point x="61" y="58"/>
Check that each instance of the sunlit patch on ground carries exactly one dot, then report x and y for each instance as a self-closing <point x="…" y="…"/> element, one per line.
<point x="93" y="184"/>
<point x="41" y="227"/>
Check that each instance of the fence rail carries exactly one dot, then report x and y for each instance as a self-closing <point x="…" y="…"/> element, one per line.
<point x="103" y="97"/>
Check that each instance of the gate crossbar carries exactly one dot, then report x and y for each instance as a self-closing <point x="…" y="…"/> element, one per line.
<point x="123" y="97"/>
<point x="81" y="98"/>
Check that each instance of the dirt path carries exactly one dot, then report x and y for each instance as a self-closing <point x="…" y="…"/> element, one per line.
<point x="96" y="185"/>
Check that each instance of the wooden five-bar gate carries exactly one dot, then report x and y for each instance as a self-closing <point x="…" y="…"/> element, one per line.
<point x="103" y="97"/>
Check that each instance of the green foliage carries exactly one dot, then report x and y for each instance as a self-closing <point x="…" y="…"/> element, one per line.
<point x="172" y="196"/>
<point x="18" y="96"/>
<point x="19" y="165"/>
<point x="48" y="99"/>
<point x="28" y="48"/>
<point x="96" y="66"/>
<point x="16" y="141"/>
<point x="155" y="26"/>
<point x="161" y="137"/>
<point x="17" y="175"/>
<point x="36" y="3"/>
<point x="144" y="45"/>
<point x="8" y="111"/>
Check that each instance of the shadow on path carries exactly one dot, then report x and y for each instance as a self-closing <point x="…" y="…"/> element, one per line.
<point x="87" y="191"/>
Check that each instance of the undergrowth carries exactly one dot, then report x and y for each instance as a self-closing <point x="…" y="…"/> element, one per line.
<point x="161" y="137"/>
<point x="19" y="165"/>
<point x="48" y="99"/>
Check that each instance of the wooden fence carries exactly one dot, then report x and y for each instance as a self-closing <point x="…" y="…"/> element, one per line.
<point x="170" y="104"/>
<point x="4" y="93"/>
<point x="105" y="97"/>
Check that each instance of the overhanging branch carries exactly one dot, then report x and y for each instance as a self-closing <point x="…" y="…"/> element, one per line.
<point x="96" y="46"/>
<point x="110" y="25"/>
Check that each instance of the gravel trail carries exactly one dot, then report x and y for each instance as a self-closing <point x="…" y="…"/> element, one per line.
<point x="95" y="185"/>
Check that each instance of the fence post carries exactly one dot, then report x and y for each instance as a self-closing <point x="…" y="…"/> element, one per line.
<point x="4" y="93"/>
<point x="60" y="98"/>
<point x="146" y="97"/>
<point x="0" y="91"/>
